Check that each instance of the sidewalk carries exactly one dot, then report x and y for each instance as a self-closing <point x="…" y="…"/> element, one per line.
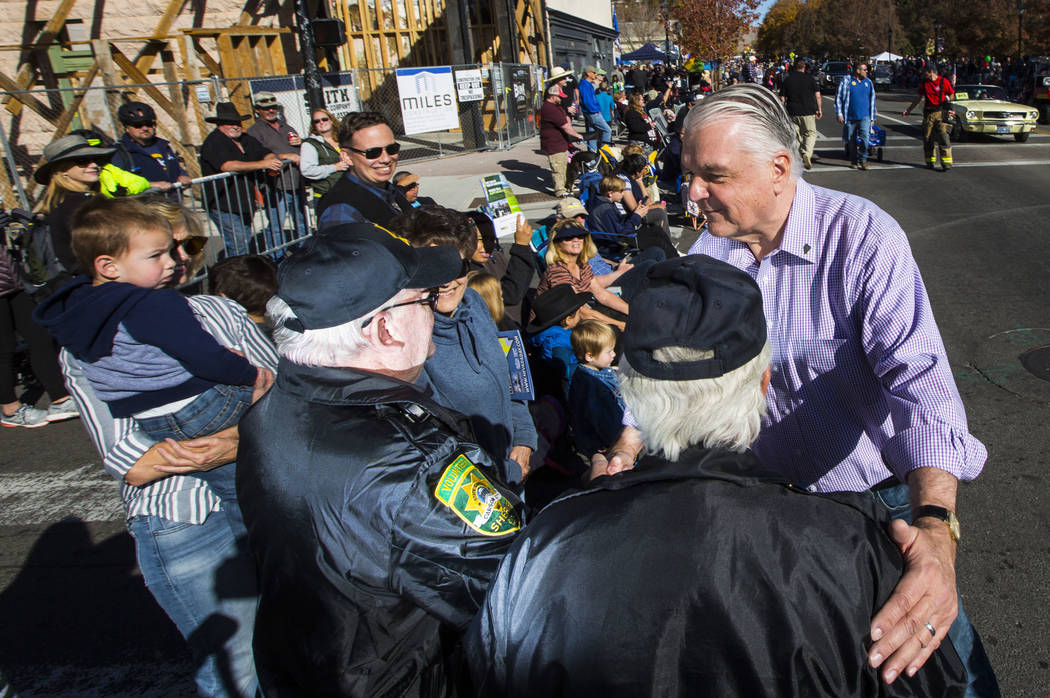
<point x="455" y="181"/>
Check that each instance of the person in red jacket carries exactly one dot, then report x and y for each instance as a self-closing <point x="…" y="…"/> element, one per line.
<point x="938" y="92"/>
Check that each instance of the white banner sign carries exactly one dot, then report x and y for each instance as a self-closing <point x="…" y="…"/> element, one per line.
<point x="428" y="99"/>
<point x="468" y="85"/>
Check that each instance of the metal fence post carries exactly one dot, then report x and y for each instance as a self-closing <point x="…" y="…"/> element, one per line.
<point x="12" y="167"/>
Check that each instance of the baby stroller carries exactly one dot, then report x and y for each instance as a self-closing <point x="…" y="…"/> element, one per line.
<point x="876" y="140"/>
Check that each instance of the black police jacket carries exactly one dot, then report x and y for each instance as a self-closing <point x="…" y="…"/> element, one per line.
<point x="705" y="577"/>
<point x="377" y="525"/>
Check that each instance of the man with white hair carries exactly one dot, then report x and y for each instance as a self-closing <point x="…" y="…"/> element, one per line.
<point x="376" y="521"/>
<point x="743" y="585"/>
<point x="862" y="396"/>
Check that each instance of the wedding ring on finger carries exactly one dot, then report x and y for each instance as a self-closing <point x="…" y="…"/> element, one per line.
<point x="933" y="634"/>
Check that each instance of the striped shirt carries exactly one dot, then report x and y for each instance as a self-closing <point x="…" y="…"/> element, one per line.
<point x="181" y="498"/>
<point x="861" y="387"/>
<point x="558" y="273"/>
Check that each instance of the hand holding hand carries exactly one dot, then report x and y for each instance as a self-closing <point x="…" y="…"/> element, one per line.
<point x="924" y="598"/>
<point x="201" y="454"/>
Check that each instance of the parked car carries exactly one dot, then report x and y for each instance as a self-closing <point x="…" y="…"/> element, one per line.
<point x="882" y="75"/>
<point x="831" y="74"/>
<point x="984" y="109"/>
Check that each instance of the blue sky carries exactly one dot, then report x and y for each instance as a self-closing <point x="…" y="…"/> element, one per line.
<point x="764" y="8"/>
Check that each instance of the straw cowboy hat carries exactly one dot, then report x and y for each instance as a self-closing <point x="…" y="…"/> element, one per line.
<point x="558" y="73"/>
<point x="65" y="149"/>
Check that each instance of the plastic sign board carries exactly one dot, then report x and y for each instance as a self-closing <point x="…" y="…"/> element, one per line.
<point x="468" y="85"/>
<point x="428" y="99"/>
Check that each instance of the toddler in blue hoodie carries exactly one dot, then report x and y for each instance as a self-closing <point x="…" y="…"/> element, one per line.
<point x="142" y="349"/>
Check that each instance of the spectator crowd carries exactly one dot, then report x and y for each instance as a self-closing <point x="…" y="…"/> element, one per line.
<point x="732" y="472"/>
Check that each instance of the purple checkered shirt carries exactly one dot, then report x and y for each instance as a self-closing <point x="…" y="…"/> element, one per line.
<point x="861" y="386"/>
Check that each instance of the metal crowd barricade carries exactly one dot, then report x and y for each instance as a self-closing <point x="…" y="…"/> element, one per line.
<point x="255" y="212"/>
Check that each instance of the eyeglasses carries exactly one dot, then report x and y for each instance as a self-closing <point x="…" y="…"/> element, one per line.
<point x="145" y="124"/>
<point x="192" y="245"/>
<point x="430" y="299"/>
<point x="321" y="120"/>
<point x="373" y="153"/>
<point x="273" y="108"/>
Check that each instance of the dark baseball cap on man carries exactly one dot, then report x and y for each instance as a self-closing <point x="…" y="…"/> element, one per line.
<point x="700" y="303"/>
<point x="135" y="113"/>
<point x="347" y="271"/>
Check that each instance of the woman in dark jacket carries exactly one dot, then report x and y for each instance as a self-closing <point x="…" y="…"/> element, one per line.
<point x="70" y="169"/>
<point x="640" y="128"/>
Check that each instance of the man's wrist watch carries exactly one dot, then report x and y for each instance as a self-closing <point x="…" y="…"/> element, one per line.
<point x="941" y="514"/>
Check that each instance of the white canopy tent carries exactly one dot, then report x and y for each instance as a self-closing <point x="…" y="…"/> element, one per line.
<point x="885" y="56"/>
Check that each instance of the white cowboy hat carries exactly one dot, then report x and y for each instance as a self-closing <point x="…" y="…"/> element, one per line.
<point x="558" y="72"/>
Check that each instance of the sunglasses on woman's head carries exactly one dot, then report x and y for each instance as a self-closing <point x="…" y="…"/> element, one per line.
<point x="373" y="153"/>
<point x="193" y="244"/>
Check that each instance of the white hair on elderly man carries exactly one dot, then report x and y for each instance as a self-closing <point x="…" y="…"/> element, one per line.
<point x="765" y="128"/>
<point x="716" y="412"/>
<point x="331" y="346"/>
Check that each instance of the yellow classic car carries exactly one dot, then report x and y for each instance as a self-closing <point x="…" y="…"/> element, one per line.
<point x="984" y="109"/>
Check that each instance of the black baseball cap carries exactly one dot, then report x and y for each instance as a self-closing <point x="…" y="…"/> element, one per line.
<point x="135" y="113"/>
<point x="696" y="302"/>
<point x="347" y="271"/>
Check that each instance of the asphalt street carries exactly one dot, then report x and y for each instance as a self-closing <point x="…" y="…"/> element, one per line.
<point x="75" y="618"/>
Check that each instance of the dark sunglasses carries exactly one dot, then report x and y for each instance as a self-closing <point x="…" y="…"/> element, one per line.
<point x="193" y="244"/>
<point x="321" y="120"/>
<point x="574" y="236"/>
<point x="145" y="124"/>
<point x="373" y="153"/>
<point x="430" y="299"/>
<point x="84" y="162"/>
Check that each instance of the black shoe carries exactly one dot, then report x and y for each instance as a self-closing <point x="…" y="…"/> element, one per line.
<point x="929" y="166"/>
<point x="945" y="167"/>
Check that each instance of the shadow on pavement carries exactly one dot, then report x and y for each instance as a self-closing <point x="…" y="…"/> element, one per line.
<point x="77" y="608"/>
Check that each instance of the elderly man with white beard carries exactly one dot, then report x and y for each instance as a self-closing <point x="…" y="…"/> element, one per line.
<point x="376" y="520"/>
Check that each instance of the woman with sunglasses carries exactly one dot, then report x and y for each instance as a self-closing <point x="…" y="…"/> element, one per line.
<point x="468" y="370"/>
<point x="568" y="262"/>
<point x="320" y="163"/>
<point x="70" y="169"/>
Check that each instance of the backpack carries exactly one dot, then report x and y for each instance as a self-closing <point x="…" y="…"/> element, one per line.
<point x="588" y="186"/>
<point x="30" y="246"/>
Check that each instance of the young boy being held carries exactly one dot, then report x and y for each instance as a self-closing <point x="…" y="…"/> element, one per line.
<point x="143" y="350"/>
<point x="595" y="404"/>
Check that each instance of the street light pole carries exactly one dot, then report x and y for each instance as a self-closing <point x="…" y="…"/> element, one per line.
<point x="889" y="39"/>
<point x="1020" y="18"/>
<point x="665" y="11"/>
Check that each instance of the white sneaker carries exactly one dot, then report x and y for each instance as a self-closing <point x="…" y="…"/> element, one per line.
<point x="58" y="411"/>
<point x="26" y="416"/>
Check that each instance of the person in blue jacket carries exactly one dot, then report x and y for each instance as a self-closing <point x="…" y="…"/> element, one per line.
<point x="468" y="370"/>
<point x="855" y="107"/>
<point x="140" y="151"/>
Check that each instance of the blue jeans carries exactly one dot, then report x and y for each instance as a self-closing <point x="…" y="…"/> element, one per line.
<point x="981" y="676"/>
<point x="217" y="408"/>
<point x="236" y="232"/>
<point x="861" y="154"/>
<point x="279" y="203"/>
<point x="597" y="122"/>
<point x="205" y="581"/>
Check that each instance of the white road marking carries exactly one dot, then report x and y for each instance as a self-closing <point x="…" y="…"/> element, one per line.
<point x="86" y="493"/>
<point x="919" y="166"/>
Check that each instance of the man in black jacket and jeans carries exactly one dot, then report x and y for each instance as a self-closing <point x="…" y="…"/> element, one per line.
<point x="696" y="572"/>
<point x="801" y="96"/>
<point x="376" y="520"/>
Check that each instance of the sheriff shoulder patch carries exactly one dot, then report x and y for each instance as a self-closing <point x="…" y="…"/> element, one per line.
<point x="466" y="491"/>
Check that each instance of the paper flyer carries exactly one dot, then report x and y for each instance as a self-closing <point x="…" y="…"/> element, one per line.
<point x="521" y="387"/>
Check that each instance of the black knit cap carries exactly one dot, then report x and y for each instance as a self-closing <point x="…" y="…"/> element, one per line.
<point x="700" y="303"/>
<point x="347" y="271"/>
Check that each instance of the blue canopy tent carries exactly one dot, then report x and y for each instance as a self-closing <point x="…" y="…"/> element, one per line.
<point x="649" y="52"/>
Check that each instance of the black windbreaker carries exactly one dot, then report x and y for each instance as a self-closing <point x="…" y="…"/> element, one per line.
<point x="364" y="572"/>
<point x="705" y="577"/>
